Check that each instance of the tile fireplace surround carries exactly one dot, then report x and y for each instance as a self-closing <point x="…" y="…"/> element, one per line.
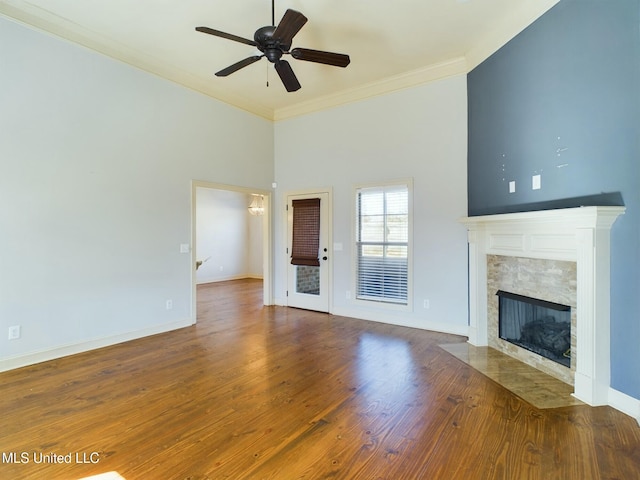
<point x="579" y="235"/>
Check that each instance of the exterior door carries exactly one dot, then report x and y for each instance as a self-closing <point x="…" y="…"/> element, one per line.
<point x="308" y="283"/>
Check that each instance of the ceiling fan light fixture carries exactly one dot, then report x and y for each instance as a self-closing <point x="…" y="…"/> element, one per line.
<point x="273" y="54"/>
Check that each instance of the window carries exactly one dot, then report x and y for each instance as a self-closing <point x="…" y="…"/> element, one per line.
<point x="382" y="243"/>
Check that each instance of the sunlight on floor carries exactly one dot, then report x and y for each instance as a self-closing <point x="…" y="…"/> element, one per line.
<point x="385" y="364"/>
<point x="105" y="476"/>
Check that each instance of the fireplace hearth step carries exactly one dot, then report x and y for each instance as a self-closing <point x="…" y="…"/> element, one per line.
<point x="532" y="385"/>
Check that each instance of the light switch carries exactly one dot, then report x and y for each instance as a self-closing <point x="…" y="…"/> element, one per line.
<point x="184" y="248"/>
<point x="535" y="182"/>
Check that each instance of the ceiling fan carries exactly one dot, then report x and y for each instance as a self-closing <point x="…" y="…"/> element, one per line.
<point x="274" y="42"/>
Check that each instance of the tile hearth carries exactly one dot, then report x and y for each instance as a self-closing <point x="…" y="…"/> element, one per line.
<point x="532" y="385"/>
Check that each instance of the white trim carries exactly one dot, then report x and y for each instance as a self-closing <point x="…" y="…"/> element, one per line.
<point x="240" y="276"/>
<point x="329" y="209"/>
<point x="75" y="348"/>
<point x="393" y="319"/>
<point x="267" y="261"/>
<point x="503" y="30"/>
<point x="382" y="305"/>
<point x="625" y="403"/>
<point x="574" y="234"/>
<point x="51" y="24"/>
<point x="431" y="73"/>
<point x="46" y="22"/>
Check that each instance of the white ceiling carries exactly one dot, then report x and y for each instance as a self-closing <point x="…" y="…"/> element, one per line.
<point x="392" y="44"/>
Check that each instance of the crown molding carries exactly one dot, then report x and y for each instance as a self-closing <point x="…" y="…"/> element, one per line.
<point x="49" y="24"/>
<point x="504" y="30"/>
<point x="456" y="66"/>
<point x="44" y="21"/>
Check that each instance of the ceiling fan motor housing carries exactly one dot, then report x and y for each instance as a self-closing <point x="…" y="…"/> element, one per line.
<point x="271" y="48"/>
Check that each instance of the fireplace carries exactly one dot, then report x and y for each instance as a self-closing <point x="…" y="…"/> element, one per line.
<point x="552" y="281"/>
<point x="575" y="236"/>
<point x="537" y="325"/>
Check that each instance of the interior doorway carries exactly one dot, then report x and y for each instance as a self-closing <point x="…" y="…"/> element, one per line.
<point x="233" y="242"/>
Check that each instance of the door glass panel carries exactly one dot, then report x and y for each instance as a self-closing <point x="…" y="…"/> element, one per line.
<point x="308" y="279"/>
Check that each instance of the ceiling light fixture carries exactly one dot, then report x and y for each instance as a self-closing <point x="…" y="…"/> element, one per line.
<point x="257" y="205"/>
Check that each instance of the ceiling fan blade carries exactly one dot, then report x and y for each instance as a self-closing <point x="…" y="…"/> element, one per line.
<point x="287" y="76"/>
<point x="237" y="66"/>
<point x="228" y="36"/>
<point x="318" y="56"/>
<point x="291" y="23"/>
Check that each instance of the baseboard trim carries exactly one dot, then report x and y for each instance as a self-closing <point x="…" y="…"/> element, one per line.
<point x="73" y="349"/>
<point x="228" y="278"/>
<point x="394" y="319"/>
<point x="625" y="403"/>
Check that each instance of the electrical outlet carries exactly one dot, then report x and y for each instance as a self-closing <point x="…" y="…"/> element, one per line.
<point x="512" y="186"/>
<point x="426" y="304"/>
<point x="347" y="295"/>
<point x="169" y="304"/>
<point x="14" y="332"/>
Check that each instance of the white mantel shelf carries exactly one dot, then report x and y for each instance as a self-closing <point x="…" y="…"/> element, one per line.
<point x="578" y="234"/>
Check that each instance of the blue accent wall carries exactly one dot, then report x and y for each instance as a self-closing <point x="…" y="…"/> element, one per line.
<point x="562" y="100"/>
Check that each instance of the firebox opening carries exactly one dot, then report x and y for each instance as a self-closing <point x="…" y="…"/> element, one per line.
<point x="537" y="325"/>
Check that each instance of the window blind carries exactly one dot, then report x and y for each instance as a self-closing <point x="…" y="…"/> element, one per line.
<point x="382" y="244"/>
<point x="306" y="232"/>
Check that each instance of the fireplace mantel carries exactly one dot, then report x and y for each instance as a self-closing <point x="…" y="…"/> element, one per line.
<point x="578" y="234"/>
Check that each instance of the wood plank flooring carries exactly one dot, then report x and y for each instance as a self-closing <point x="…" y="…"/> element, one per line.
<point x="255" y="392"/>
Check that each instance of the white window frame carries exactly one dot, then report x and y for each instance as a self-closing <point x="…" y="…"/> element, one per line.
<point x="408" y="183"/>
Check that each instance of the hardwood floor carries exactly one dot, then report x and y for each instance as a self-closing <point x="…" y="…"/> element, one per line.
<point x="255" y="392"/>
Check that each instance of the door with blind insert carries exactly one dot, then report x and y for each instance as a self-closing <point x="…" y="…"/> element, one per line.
<point x="308" y="251"/>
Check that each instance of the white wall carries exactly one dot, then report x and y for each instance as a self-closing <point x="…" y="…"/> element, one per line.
<point x="96" y="163"/>
<point x="227" y="235"/>
<point x="419" y="133"/>
<point x="97" y="160"/>
<point x="255" y="260"/>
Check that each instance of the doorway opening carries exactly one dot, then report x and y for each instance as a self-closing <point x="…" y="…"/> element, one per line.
<point x="231" y="238"/>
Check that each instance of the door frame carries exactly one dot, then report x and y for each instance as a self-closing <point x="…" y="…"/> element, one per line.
<point x="267" y="261"/>
<point x="311" y="192"/>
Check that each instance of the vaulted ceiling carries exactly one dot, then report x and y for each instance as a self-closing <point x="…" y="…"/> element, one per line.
<point x="392" y="44"/>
